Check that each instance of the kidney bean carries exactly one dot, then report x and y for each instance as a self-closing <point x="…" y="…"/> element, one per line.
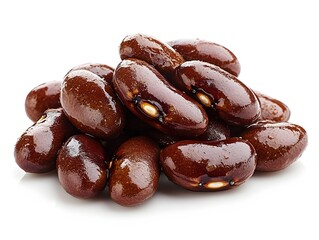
<point x="147" y="94"/>
<point x="195" y="49"/>
<point x="164" y="58"/>
<point x="215" y="88"/>
<point x="81" y="166"/>
<point x="273" y="109"/>
<point x="277" y="144"/>
<point x="102" y="70"/>
<point x="36" y="149"/>
<point x="91" y="105"/>
<point x="41" y="98"/>
<point x="135" y="172"/>
<point x="162" y="139"/>
<point x="209" y="166"/>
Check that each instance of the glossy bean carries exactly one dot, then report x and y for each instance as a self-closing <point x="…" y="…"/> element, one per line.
<point x="215" y="88"/>
<point x="195" y="49"/>
<point x="91" y="105"/>
<point x="36" y="149"/>
<point x="164" y="58"/>
<point x="41" y="98"/>
<point x="277" y="144"/>
<point x="209" y="166"/>
<point x="134" y="173"/>
<point x="147" y="94"/>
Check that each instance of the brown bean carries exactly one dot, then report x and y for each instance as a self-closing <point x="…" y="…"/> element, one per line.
<point x="164" y="58"/>
<point x="209" y="166"/>
<point x="81" y="166"/>
<point x="102" y="70"/>
<point x="36" y="149"/>
<point x="91" y="105"/>
<point x="41" y="98"/>
<point x="273" y="109"/>
<point x="147" y="94"/>
<point x="215" y="88"/>
<point x="134" y="173"/>
<point x="277" y="144"/>
<point x="195" y="49"/>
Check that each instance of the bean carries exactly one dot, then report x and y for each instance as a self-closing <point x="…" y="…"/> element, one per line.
<point x="36" y="149"/>
<point x="134" y="173"/>
<point x="91" y="105"/>
<point x="234" y="102"/>
<point x="41" y="98"/>
<point x="147" y="94"/>
<point x="164" y="58"/>
<point x="277" y="144"/>
<point x="195" y="49"/>
<point x="209" y="166"/>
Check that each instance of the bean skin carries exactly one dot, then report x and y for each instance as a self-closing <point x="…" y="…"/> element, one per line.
<point x="36" y="149"/>
<point x="215" y="88"/>
<point x="41" y="98"/>
<point x="273" y="109"/>
<point x="147" y="94"/>
<point x="102" y="70"/>
<point x="195" y="49"/>
<point x="135" y="171"/>
<point x="277" y="144"/>
<point x="164" y="58"/>
<point x="209" y="166"/>
<point x="81" y="166"/>
<point x="91" y="105"/>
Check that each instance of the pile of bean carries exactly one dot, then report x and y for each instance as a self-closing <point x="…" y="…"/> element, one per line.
<point x="178" y="108"/>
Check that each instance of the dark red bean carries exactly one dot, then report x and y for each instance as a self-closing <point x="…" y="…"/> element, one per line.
<point x="209" y="166"/>
<point x="135" y="171"/>
<point x="277" y="144"/>
<point x="164" y="58"/>
<point x="81" y="166"/>
<point x="162" y="139"/>
<point x="215" y="88"/>
<point x="273" y="109"/>
<point x="36" y="149"/>
<point x="41" y="98"/>
<point x="102" y="70"/>
<point x="147" y="94"/>
<point x="195" y="49"/>
<point x="91" y="105"/>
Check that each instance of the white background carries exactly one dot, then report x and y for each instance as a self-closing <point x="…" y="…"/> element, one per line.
<point x="277" y="45"/>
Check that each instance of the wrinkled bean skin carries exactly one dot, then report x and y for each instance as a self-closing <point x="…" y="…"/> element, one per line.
<point x="91" y="105"/>
<point x="277" y="144"/>
<point x="102" y="70"/>
<point x="195" y="49"/>
<point x="234" y="102"/>
<point x="135" y="171"/>
<point x="273" y="109"/>
<point x="138" y="84"/>
<point x="164" y="58"/>
<point x="41" y="98"/>
<point x="36" y="150"/>
<point x="81" y="166"/>
<point x="209" y="166"/>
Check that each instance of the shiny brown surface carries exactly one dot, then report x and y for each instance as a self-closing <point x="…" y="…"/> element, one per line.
<point x="209" y="166"/>
<point x="102" y="70"/>
<point x="273" y="109"/>
<point x="136" y="81"/>
<point x="195" y="49"/>
<point x="134" y="173"/>
<point x="277" y="144"/>
<point x="36" y="149"/>
<point x="234" y="102"/>
<point x="81" y="166"/>
<point x="164" y="58"/>
<point x="41" y="98"/>
<point x="91" y="105"/>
